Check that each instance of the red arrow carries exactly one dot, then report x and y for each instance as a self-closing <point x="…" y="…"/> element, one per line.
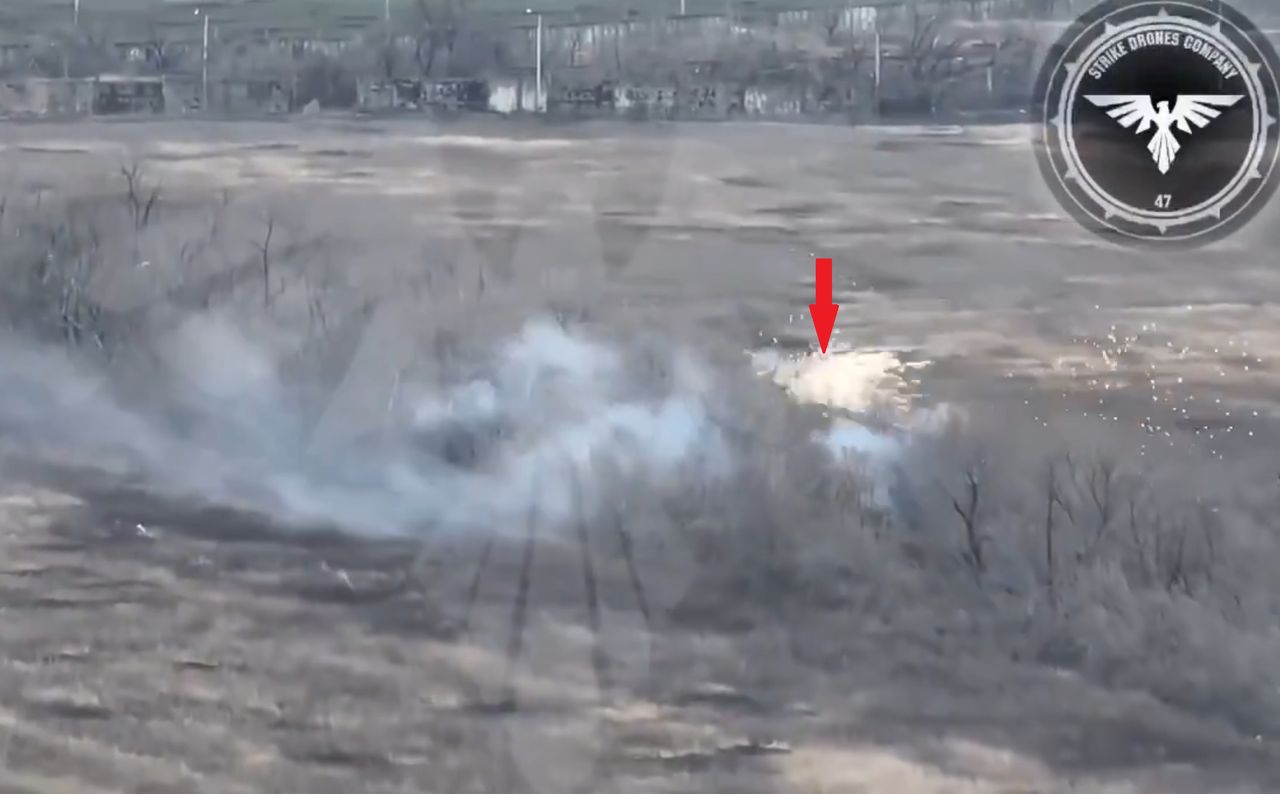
<point x="823" y="310"/>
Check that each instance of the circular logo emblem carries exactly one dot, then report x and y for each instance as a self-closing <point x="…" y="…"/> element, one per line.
<point x="1157" y="121"/>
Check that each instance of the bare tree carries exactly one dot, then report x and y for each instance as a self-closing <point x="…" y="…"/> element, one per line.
<point x="967" y="507"/>
<point x="162" y="56"/>
<point x="937" y="58"/>
<point x="1096" y="489"/>
<point x="1175" y="547"/>
<point x="77" y="314"/>
<point x="1053" y="503"/>
<point x="193" y="250"/>
<point x="50" y="262"/>
<point x="1100" y="486"/>
<point x="1138" y="538"/>
<point x="264" y="252"/>
<point x="141" y="195"/>
<point x="439" y="23"/>
<point x="385" y="54"/>
<point x="830" y="24"/>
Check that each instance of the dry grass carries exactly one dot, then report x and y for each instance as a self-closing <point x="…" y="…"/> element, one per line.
<point x="769" y="632"/>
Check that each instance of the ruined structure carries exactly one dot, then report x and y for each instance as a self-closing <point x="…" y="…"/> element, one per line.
<point x="122" y="94"/>
<point x="869" y="59"/>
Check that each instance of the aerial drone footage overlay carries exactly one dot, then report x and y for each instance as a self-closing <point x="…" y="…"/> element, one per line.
<point x="790" y="396"/>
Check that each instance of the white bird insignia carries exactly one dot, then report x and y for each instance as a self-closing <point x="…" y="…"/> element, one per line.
<point x="1197" y="109"/>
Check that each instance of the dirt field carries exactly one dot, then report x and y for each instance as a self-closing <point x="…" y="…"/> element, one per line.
<point x="152" y="644"/>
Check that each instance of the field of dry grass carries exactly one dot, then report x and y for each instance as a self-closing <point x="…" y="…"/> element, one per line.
<point x="168" y="627"/>
<point x="152" y="646"/>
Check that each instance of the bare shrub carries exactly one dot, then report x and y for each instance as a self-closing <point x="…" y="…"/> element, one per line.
<point x="142" y="195"/>
<point x="1133" y="571"/>
<point x="49" y="259"/>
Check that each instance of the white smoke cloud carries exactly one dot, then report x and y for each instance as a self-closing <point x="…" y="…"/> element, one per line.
<point x="554" y="411"/>
<point x="859" y="386"/>
<point x="551" y="423"/>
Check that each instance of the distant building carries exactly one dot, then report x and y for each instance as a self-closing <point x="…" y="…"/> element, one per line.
<point x="46" y="97"/>
<point x="381" y="95"/>
<point x="127" y="94"/>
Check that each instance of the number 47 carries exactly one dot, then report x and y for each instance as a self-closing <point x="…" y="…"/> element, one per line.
<point x="1163" y="200"/>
